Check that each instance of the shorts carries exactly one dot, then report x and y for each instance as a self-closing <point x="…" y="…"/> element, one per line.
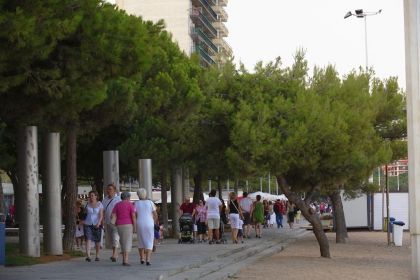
<point x="247" y="218"/>
<point x="195" y="227"/>
<point x="112" y="238"/>
<point x="213" y="223"/>
<point x="240" y="233"/>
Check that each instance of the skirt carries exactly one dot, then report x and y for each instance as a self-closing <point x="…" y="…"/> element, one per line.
<point x="92" y="233"/>
<point x="126" y="237"/>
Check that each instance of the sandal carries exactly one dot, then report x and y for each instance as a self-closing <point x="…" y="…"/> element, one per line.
<point x="113" y="259"/>
<point x="88" y="259"/>
<point x="126" y="263"/>
<point x="142" y="261"/>
<point x="148" y="262"/>
<point x="96" y="259"/>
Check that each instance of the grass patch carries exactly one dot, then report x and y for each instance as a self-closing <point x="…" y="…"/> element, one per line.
<point x="13" y="258"/>
<point x="74" y="253"/>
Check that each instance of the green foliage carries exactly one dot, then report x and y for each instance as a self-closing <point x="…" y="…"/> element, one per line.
<point x="314" y="131"/>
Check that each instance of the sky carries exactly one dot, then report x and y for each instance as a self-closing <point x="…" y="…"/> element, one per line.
<point x="265" y="29"/>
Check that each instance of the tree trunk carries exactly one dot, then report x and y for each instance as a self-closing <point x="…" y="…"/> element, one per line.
<point x="340" y="220"/>
<point x="198" y="187"/>
<point x="13" y="177"/>
<point x="313" y="218"/>
<point x="164" y="197"/>
<point x="71" y="189"/>
<point x="236" y="186"/>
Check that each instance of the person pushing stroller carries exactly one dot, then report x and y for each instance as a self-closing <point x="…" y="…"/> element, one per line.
<point x="188" y="208"/>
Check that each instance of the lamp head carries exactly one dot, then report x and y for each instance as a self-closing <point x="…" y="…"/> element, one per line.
<point x="359" y="13"/>
<point x="349" y="14"/>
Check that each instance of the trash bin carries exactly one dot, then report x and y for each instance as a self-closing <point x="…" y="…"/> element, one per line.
<point x="398" y="232"/>
<point x="391" y="221"/>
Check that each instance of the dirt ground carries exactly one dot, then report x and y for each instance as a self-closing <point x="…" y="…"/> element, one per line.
<point x="365" y="255"/>
<point x="49" y="258"/>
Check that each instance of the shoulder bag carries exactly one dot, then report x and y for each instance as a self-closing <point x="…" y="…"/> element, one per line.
<point x="240" y="213"/>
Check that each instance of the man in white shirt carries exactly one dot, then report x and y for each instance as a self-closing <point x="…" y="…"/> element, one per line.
<point x="214" y="209"/>
<point x="247" y="209"/>
<point x="112" y="238"/>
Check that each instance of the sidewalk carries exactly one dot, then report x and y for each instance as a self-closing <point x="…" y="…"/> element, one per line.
<point x="170" y="261"/>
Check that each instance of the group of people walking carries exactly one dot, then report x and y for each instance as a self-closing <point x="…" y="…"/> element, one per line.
<point x="242" y="216"/>
<point x="120" y="219"/>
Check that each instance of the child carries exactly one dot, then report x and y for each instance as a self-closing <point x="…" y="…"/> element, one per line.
<point x="240" y="232"/>
<point x="160" y="241"/>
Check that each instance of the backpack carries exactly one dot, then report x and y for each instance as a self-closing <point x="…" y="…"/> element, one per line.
<point x="276" y="208"/>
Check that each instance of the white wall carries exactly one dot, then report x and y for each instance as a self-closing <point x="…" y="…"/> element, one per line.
<point x="176" y="14"/>
<point x="355" y="212"/>
<point x="398" y="208"/>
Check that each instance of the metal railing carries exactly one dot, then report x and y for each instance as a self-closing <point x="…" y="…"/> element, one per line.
<point x="204" y="55"/>
<point x="210" y="9"/>
<point x="207" y="23"/>
<point x="207" y="40"/>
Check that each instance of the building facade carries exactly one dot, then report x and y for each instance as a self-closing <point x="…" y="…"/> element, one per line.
<point x="196" y="25"/>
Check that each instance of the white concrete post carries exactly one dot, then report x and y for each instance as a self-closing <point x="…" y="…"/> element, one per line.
<point x="51" y="193"/>
<point x="29" y="243"/>
<point x="412" y="49"/>
<point x="111" y="170"/>
<point x="185" y="182"/>
<point x="145" y="176"/>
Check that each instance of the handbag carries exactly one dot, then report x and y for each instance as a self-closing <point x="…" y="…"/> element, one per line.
<point x="113" y="219"/>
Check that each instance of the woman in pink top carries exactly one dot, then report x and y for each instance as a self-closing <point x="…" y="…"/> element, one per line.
<point x="126" y="224"/>
<point x="200" y="220"/>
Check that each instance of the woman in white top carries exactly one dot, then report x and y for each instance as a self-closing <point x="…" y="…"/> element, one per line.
<point x="145" y="222"/>
<point x="92" y="229"/>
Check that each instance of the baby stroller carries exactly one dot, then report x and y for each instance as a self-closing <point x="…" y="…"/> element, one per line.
<point x="186" y="228"/>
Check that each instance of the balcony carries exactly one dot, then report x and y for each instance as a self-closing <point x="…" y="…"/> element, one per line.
<point x="223" y="16"/>
<point x="223" y="45"/>
<point x="208" y="10"/>
<point x="204" y="56"/>
<point x="219" y="3"/>
<point x="197" y="33"/>
<point x="207" y="40"/>
<point x="221" y="27"/>
<point x="200" y="20"/>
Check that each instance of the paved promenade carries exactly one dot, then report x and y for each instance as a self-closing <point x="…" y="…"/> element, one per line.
<point x="170" y="261"/>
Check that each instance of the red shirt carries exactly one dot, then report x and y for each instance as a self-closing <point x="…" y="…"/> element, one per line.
<point x="187" y="208"/>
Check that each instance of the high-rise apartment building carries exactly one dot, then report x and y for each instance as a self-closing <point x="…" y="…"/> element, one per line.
<point x="196" y="25"/>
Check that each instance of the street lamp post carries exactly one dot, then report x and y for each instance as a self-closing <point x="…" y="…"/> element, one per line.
<point x="360" y="14"/>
